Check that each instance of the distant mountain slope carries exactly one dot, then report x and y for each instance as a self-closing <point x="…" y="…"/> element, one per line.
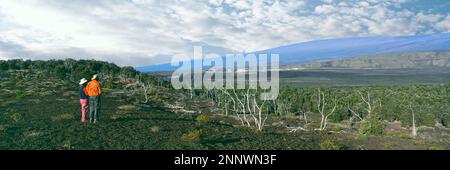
<point x="385" y="61"/>
<point x="351" y="47"/>
<point x="332" y="49"/>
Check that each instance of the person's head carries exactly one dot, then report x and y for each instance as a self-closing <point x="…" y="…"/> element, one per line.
<point x="94" y="77"/>
<point x="82" y="81"/>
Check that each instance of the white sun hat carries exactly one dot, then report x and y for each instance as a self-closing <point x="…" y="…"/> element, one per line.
<point x="94" y="77"/>
<point x="82" y="81"/>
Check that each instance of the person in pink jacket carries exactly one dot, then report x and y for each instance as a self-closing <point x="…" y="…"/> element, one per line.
<point x="83" y="99"/>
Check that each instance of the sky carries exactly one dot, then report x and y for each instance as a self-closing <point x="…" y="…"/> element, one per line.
<point x="141" y="32"/>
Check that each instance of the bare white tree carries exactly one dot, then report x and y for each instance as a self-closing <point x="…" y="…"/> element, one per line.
<point x="235" y="107"/>
<point x="321" y="105"/>
<point x="138" y="86"/>
<point x="275" y="105"/>
<point x="355" y="114"/>
<point x="413" y="129"/>
<point x="132" y="86"/>
<point x="246" y="107"/>
<point x="368" y="102"/>
<point x="146" y="89"/>
<point x="257" y="111"/>
<point x="408" y="103"/>
<point x="241" y="101"/>
<point x="225" y="103"/>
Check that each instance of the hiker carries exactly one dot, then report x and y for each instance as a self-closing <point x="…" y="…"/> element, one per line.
<point x="94" y="91"/>
<point x="83" y="99"/>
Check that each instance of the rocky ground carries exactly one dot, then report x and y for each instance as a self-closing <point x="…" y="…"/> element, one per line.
<point x="44" y="113"/>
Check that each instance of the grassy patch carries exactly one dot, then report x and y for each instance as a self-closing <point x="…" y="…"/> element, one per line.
<point x="437" y="148"/>
<point x="192" y="136"/>
<point x="61" y="117"/>
<point x="16" y="117"/>
<point x="328" y="145"/>
<point x="32" y="134"/>
<point x="3" y="128"/>
<point x="155" y="129"/>
<point x="201" y="119"/>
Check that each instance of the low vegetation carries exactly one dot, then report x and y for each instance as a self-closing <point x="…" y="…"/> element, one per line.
<point x="39" y="109"/>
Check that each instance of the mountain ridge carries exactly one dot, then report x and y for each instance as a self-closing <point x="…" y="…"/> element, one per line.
<point x="420" y="60"/>
<point x="335" y="49"/>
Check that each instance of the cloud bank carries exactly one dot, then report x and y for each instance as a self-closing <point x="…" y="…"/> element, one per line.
<point x="140" y="32"/>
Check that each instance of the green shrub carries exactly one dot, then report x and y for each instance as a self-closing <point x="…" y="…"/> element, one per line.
<point x="437" y="148"/>
<point x="328" y="145"/>
<point x="445" y="119"/>
<point x="323" y="133"/>
<point x="336" y="129"/>
<point x="60" y="117"/>
<point x="202" y="119"/>
<point x="16" y="117"/>
<point x="419" y="143"/>
<point x="20" y="94"/>
<point x="3" y="127"/>
<point x="32" y="134"/>
<point x="192" y="136"/>
<point x="156" y="97"/>
<point x="389" y="145"/>
<point x="67" y="145"/>
<point x="155" y="129"/>
<point x="361" y="138"/>
<point x="373" y="125"/>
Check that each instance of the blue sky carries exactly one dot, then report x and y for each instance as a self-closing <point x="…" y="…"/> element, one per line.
<point x="140" y="32"/>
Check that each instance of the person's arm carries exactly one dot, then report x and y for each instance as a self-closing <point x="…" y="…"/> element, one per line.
<point x="85" y="91"/>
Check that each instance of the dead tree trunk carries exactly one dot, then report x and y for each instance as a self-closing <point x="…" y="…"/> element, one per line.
<point x="413" y="129"/>
<point x="145" y="92"/>
<point x="235" y="110"/>
<point x="256" y="112"/>
<point x="368" y="102"/>
<point x="321" y="108"/>
<point x="243" y="110"/>
<point x="355" y="114"/>
<point x="305" y="118"/>
<point x="247" y="109"/>
<point x="146" y="88"/>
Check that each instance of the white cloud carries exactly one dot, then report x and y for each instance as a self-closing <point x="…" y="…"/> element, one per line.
<point x="325" y="9"/>
<point x="444" y="25"/>
<point x="422" y="17"/>
<point x="141" y="32"/>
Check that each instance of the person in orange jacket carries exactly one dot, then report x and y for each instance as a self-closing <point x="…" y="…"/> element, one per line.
<point x="93" y="90"/>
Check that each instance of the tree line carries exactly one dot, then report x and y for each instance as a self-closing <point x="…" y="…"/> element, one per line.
<point x="73" y="70"/>
<point x="368" y="107"/>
